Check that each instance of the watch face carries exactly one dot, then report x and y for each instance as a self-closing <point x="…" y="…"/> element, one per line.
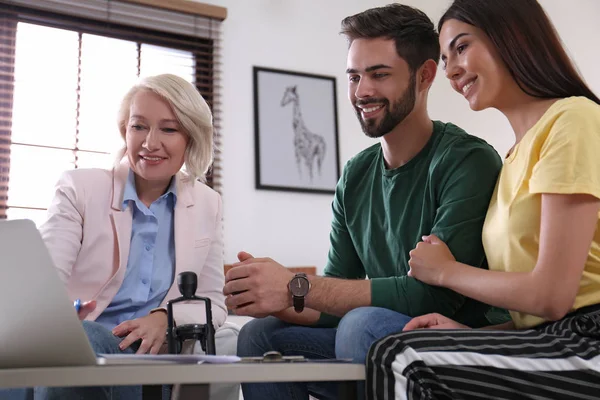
<point x="299" y="286"/>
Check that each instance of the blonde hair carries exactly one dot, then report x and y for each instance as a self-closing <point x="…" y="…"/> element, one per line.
<point x="192" y="113"/>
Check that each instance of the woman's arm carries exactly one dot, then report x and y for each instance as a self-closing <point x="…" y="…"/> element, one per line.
<point x="438" y="321"/>
<point x="568" y="223"/>
<point x="507" y="326"/>
<point x="211" y="278"/>
<point x="62" y="231"/>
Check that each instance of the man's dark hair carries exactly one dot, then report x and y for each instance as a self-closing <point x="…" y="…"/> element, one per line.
<point x="412" y="31"/>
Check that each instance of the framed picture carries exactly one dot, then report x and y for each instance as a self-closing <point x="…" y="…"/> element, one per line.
<point x="296" y="131"/>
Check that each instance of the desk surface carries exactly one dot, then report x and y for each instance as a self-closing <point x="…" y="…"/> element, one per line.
<point x="180" y="373"/>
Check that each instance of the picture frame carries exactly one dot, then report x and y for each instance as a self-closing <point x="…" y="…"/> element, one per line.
<point x="295" y="131"/>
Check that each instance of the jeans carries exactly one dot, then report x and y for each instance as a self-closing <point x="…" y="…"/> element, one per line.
<point x="102" y="341"/>
<point x="352" y="339"/>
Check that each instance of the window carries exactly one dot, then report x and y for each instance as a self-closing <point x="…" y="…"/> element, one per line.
<point x="62" y="80"/>
<point x="64" y="115"/>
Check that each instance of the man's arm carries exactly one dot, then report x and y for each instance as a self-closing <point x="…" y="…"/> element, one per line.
<point x="338" y="296"/>
<point x="342" y="259"/>
<point x="344" y="287"/>
<point x="253" y="275"/>
<point x="463" y="180"/>
<point x="466" y="181"/>
<point x="333" y="296"/>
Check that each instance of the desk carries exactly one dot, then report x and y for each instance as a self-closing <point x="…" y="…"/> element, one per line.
<point x="199" y="375"/>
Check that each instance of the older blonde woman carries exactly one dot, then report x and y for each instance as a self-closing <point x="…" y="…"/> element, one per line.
<point x="119" y="237"/>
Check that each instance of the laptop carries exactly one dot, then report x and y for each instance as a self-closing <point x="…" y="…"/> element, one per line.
<point x="39" y="326"/>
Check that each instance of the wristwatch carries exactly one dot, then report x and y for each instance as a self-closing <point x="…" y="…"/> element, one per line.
<point x="299" y="286"/>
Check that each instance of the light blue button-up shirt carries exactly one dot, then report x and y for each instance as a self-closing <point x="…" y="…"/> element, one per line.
<point x="151" y="263"/>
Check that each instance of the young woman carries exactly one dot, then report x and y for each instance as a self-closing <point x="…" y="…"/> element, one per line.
<point x="540" y="235"/>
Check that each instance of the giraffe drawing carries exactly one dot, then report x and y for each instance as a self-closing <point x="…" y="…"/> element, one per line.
<point x="308" y="147"/>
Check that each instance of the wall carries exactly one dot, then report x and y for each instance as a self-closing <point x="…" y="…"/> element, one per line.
<point x="298" y="35"/>
<point x="302" y="35"/>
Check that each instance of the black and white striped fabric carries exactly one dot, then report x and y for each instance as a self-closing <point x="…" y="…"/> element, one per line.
<point x="558" y="360"/>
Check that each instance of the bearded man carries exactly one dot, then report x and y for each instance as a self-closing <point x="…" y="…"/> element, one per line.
<point x="422" y="177"/>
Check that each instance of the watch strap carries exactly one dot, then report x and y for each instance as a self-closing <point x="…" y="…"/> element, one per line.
<point x="298" y="303"/>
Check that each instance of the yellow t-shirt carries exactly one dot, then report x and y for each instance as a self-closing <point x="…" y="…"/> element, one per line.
<point x="559" y="154"/>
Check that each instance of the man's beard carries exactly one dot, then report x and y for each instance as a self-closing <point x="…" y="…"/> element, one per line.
<point x="399" y="110"/>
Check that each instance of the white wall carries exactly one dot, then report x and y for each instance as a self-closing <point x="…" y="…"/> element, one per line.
<point x="302" y="35"/>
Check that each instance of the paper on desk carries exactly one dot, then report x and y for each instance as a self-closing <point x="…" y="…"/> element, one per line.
<point x="111" y="359"/>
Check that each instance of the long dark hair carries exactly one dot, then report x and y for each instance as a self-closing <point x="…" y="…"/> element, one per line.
<point x="528" y="44"/>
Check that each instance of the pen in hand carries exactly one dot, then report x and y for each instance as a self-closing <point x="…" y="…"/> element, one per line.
<point x="84" y="308"/>
<point x="77" y="305"/>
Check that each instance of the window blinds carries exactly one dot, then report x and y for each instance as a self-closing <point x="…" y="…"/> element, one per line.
<point x="64" y="67"/>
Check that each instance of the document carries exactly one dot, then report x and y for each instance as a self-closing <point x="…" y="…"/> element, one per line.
<point x="112" y="359"/>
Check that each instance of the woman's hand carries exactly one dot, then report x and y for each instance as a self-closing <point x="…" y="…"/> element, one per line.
<point x="85" y="309"/>
<point x="433" y="321"/>
<point x="152" y="329"/>
<point x="430" y="260"/>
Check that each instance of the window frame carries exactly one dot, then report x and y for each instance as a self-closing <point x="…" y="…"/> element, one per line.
<point x="204" y="50"/>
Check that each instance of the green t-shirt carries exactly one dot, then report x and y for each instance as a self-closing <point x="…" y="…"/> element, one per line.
<point x="380" y="215"/>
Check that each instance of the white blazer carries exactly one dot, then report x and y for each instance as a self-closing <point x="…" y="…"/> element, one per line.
<point x="88" y="237"/>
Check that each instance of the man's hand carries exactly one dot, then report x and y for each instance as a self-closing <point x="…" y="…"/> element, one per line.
<point x="257" y="286"/>
<point x="152" y="329"/>
<point x="433" y="321"/>
<point x="430" y="260"/>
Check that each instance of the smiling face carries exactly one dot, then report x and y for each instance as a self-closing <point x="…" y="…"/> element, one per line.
<point x="474" y="66"/>
<point x="381" y="86"/>
<point x="155" y="141"/>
